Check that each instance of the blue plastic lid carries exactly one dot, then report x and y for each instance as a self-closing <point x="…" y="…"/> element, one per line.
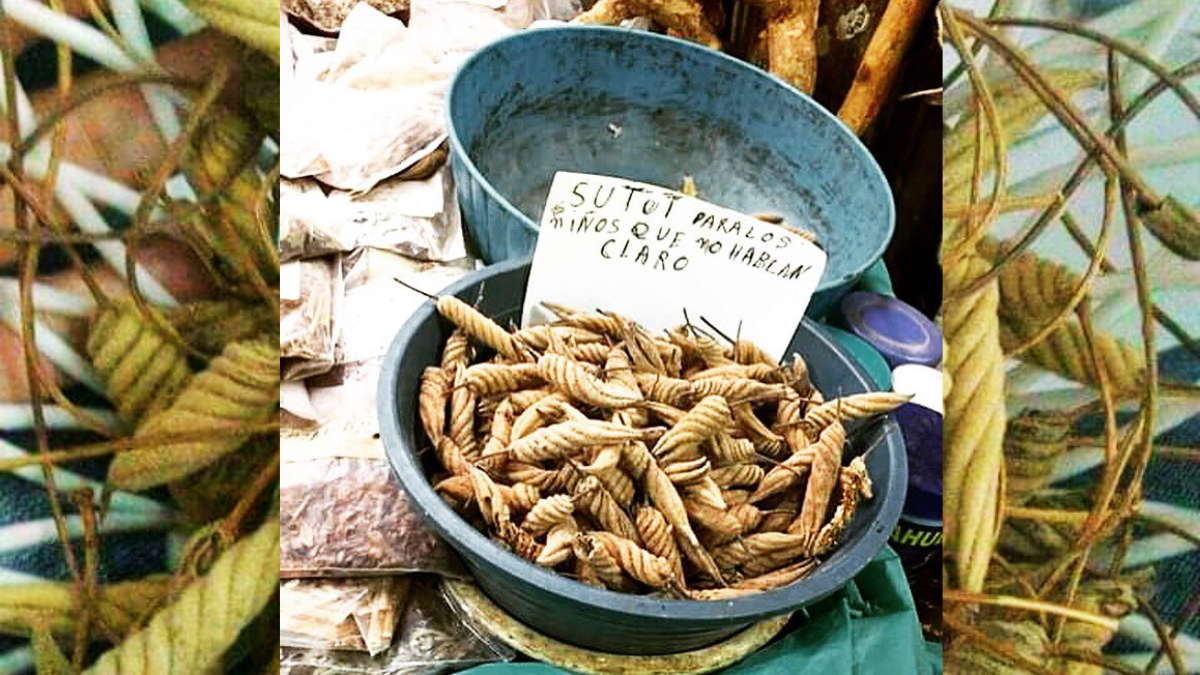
<point x="900" y="332"/>
<point x="921" y="423"/>
<point x="866" y="355"/>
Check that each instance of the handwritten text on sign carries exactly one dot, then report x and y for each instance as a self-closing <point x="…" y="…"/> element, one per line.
<point x="651" y="253"/>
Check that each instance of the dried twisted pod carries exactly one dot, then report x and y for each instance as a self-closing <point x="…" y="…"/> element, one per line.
<point x="750" y="354"/>
<point x="855" y="483"/>
<point x="665" y="497"/>
<point x="663" y="389"/>
<point x="765" y="582"/>
<point x="688" y="471"/>
<point x="738" y="475"/>
<point x="548" y="512"/>
<point x="559" y="541"/>
<point x="572" y="378"/>
<point x="619" y="370"/>
<point x="549" y="481"/>
<point x="192" y="634"/>
<point x="602" y="564"/>
<point x="458" y="352"/>
<point x="143" y="370"/>
<point x="740" y="390"/>
<point x="853" y="407"/>
<point x="636" y="561"/>
<point x="748" y="515"/>
<point x="827" y="461"/>
<point x="451" y="457"/>
<point x="538" y="337"/>
<point x="492" y="505"/>
<point x="667" y="413"/>
<point x="606" y="467"/>
<point x="785" y="476"/>
<point x="728" y="451"/>
<point x="759" y="549"/>
<point x="487" y="379"/>
<point x="521" y="542"/>
<point x="119" y="606"/>
<point x="788" y="422"/>
<point x="720" y="526"/>
<point x="744" y="415"/>
<point x="659" y="537"/>
<point x="706" y="492"/>
<point x="547" y="409"/>
<point x="594" y="322"/>
<point x="560" y="440"/>
<point x="769" y="448"/>
<point x="522" y="400"/>
<point x="432" y="399"/>
<point x="592" y="352"/>
<point x="519" y="497"/>
<point x="696" y="347"/>
<point x="480" y="328"/>
<point x="799" y="377"/>
<point x="759" y="371"/>
<point x="735" y="497"/>
<point x="462" y="416"/>
<point x="592" y="498"/>
<point x="710" y="417"/>
<point x="240" y="387"/>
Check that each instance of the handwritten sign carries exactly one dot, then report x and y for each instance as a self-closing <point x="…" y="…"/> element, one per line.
<point x="651" y="253"/>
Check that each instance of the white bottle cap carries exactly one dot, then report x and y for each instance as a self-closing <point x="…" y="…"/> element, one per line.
<point x="923" y="382"/>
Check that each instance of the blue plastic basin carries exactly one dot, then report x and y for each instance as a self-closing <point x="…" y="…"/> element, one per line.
<point x="652" y="108"/>
<point x="592" y="617"/>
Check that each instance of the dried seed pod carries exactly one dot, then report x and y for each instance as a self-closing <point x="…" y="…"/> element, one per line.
<point x="785" y="476"/>
<point x="143" y="370"/>
<point x="752" y="355"/>
<point x="719" y="526"/>
<point x="710" y="417"/>
<point x="788" y="423"/>
<point x="239" y="387"/>
<point x="666" y="499"/>
<point x="728" y="451"/>
<point x="561" y="440"/>
<point x="594" y="322"/>
<point x="765" y="582"/>
<point x="759" y="371"/>
<point x="451" y="457"/>
<point x="536" y="416"/>
<point x="549" y="481"/>
<point x="855" y="484"/>
<point x="522" y="400"/>
<point x="559" y="540"/>
<point x="687" y="472"/>
<point x="738" y="475"/>
<point x="826" y="463"/>
<point x="768" y="448"/>
<point x="521" y="542"/>
<point x="706" y="492"/>
<point x="538" y="337"/>
<point x="740" y="390"/>
<point x="502" y="423"/>
<point x="668" y="390"/>
<point x="696" y="347"/>
<point x="458" y="352"/>
<point x="431" y="402"/>
<point x="481" y="329"/>
<point x="758" y="553"/>
<point x="486" y="379"/>
<point x="636" y="561"/>
<point x="606" y="467"/>
<point x="593" y="499"/>
<point x="799" y="377"/>
<point x="572" y="378"/>
<point x="646" y="353"/>
<point x="735" y="497"/>
<point x="658" y="535"/>
<point x="748" y="515"/>
<point x="780" y="518"/>
<point x="548" y="512"/>
<point x="744" y="415"/>
<point x="600" y="562"/>
<point x="592" y="352"/>
<point x="667" y="413"/>
<point x="520" y="497"/>
<point x="853" y="407"/>
<point x="489" y="499"/>
<point x="462" y="416"/>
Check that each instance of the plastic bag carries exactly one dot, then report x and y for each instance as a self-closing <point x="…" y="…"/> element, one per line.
<point x="328" y="15"/>
<point x="310" y="300"/>
<point x="345" y="614"/>
<point x="434" y="638"/>
<point x="416" y="218"/>
<point x="348" y="517"/>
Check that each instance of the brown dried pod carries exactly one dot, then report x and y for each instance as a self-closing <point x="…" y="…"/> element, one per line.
<point x="663" y="389"/>
<point x="481" y="329"/>
<point x="522" y="400"/>
<point x="575" y="380"/>
<point x="548" y="512"/>
<point x="687" y="472"/>
<point x="735" y="497"/>
<point x="751" y="354"/>
<point x="738" y="475"/>
<point x="489" y="499"/>
<point x="451" y="457"/>
<point x="591" y="497"/>
<point x="637" y="562"/>
<point x="854" y="484"/>
<point x="566" y="438"/>
<point x="559" y="543"/>
<point x="853" y="407"/>
<point x="487" y="379"/>
<point x="758" y="553"/>
<point x="457" y="353"/>
<point x="740" y="390"/>
<point x="799" y="377"/>
<point x="432" y="398"/>
<point x="606" y="467"/>
<point x="824" y="476"/>
<point x="785" y="476"/>
<point x="727" y="451"/>
<point x="521" y="497"/>
<point x="787" y="422"/>
<point x="780" y="518"/>
<point x="548" y="409"/>
<point x="710" y="417"/>
<point x="765" y="582"/>
<point x="521" y="542"/>
<point x="601" y="563"/>
<point x="538" y="337"/>
<point x="462" y="416"/>
<point x="604" y="324"/>
<point x="592" y="352"/>
<point x="549" y="481"/>
<point x="744" y="415"/>
<point x="719" y="526"/>
<point x="696" y="347"/>
<point x="748" y="515"/>
<point x="646" y="353"/>
<point x="659" y="537"/>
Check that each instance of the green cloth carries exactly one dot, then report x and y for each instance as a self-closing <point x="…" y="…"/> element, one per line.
<point x="869" y="627"/>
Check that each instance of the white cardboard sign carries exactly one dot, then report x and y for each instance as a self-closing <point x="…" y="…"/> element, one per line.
<point x="651" y="253"/>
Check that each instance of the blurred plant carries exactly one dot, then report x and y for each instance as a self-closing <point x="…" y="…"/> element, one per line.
<point x="176" y="327"/>
<point x="1040" y="578"/>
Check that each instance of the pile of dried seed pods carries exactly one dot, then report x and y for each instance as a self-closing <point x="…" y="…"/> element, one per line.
<point x="666" y="464"/>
